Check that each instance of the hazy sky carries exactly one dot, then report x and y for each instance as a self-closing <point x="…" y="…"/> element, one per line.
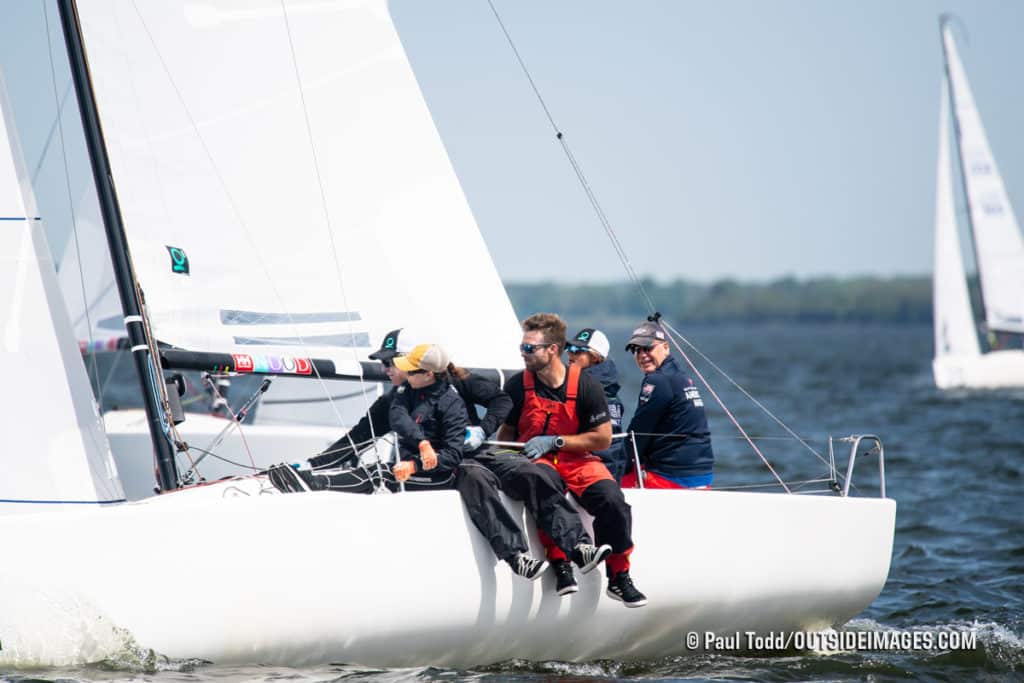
<point x="723" y="139"/>
<point x="743" y="139"/>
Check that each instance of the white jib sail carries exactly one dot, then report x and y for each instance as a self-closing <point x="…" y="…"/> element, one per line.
<point x="954" y="321"/>
<point x="997" y="238"/>
<point x="52" y="419"/>
<point x="311" y="220"/>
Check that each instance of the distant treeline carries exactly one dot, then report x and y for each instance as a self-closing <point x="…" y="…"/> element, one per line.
<point x="860" y="299"/>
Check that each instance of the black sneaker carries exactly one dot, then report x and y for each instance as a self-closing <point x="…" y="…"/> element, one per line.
<point x="588" y="556"/>
<point x="622" y="589"/>
<point x="527" y="567"/>
<point x="565" y="580"/>
<point x="286" y="480"/>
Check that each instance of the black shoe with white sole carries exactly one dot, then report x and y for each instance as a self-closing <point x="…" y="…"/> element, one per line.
<point x="588" y="556"/>
<point x="622" y="589"/>
<point x="527" y="567"/>
<point x="565" y="580"/>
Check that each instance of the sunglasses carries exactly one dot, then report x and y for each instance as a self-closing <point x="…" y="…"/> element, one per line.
<point x="387" y="363"/>
<point x="417" y="372"/>
<point x="530" y="348"/>
<point x="574" y="348"/>
<point x="641" y="349"/>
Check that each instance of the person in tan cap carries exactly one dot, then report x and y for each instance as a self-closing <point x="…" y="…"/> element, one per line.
<point x="430" y="419"/>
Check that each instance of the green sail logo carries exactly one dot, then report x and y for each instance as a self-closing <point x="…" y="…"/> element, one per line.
<point x="179" y="261"/>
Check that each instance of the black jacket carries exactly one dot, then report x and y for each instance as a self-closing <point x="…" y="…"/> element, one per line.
<point x="608" y="375"/>
<point x="345" y="451"/>
<point x="435" y="413"/>
<point x="480" y="391"/>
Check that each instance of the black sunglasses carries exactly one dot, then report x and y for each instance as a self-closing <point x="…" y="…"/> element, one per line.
<point x="417" y="372"/>
<point x="530" y="348"/>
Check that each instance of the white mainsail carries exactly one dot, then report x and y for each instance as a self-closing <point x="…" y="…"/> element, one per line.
<point x="314" y="219"/>
<point x="954" y="321"/>
<point x="998" y="243"/>
<point x="57" y="421"/>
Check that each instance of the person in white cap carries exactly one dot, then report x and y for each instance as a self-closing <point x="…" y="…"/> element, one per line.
<point x="590" y="350"/>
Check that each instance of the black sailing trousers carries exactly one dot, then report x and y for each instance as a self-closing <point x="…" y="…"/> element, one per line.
<point x="482" y="475"/>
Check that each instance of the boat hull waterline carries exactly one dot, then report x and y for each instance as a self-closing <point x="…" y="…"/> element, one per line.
<point x="403" y="580"/>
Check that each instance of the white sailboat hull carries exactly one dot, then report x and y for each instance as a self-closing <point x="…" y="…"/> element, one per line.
<point x="396" y="580"/>
<point x="993" y="370"/>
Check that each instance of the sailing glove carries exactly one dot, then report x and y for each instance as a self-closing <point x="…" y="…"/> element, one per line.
<point x="474" y="438"/>
<point x="538" y="446"/>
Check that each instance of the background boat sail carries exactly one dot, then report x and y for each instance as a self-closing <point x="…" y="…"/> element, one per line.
<point x="463" y="608"/>
<point x="999" y="247"/>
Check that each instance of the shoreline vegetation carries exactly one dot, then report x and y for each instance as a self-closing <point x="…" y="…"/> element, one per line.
<point x="904" y="299"/>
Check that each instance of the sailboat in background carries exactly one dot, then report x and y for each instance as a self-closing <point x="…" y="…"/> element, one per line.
<point x="999" y="247"/>
<point x="201" y="571"/>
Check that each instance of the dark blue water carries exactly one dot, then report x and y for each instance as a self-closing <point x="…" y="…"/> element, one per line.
<point x="954" y="463"/>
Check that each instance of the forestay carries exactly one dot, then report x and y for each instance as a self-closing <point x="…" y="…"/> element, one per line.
<point x="264" y="217"/>
<point x="997" y="237"/>
<point x="954" y="321"/>
<point x="57" y="422"/>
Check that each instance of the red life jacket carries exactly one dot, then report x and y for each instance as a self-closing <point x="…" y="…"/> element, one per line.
<point x="546" y="416"/>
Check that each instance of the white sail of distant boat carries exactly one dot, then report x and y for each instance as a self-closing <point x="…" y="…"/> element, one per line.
<point x="999" y="248"/>
<point x="255" y="550"/>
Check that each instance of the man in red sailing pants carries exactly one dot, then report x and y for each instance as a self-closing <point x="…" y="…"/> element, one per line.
<point x="562" y="415"/>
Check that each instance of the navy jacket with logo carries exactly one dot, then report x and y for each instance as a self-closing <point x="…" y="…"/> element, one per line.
<point x="670" y="406"/>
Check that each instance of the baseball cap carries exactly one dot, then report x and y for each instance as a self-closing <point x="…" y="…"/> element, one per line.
<point x="395" y="343"/>
<point x="429" y="357"/>
<point x="594" y="340"/>
<point x="646" y="334"/>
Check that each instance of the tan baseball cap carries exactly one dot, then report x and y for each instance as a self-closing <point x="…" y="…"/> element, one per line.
<point x="429" y="357"/>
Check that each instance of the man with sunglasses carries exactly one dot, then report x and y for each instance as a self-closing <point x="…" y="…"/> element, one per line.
<point x="589" y="349"/>
<point x="673" y="441"/>
<point x="562" y="416"/>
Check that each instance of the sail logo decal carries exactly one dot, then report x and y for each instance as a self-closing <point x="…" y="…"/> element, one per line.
<point x="274" y="365"/>
<point x="179" y="260"/>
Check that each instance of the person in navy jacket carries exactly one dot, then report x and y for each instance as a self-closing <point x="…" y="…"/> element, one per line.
<point x="673" y="441"/>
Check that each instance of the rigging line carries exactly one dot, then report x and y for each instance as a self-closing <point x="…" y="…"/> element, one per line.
<point x="620" y="250"/>
<point x="327" y="217"/>
<point x="736" y="384"/>
<point x="237" y="422"/>
<point x="211" y="454"/>
<point x="721" y="403"/>
<point x="577" y="169"/>
<point x="227" y="193"/>
<point x="71" y="204"/>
